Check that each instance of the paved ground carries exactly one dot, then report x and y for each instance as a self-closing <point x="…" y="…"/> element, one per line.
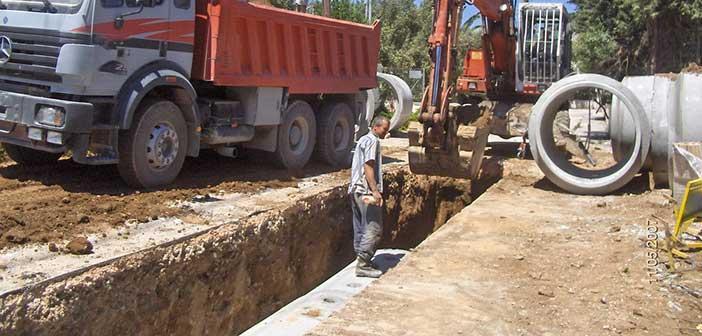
<point x="526" y="259"/>
<point x="306" y="312"/>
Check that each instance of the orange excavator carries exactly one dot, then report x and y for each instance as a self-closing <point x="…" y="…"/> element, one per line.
<point x="521" y="56"/>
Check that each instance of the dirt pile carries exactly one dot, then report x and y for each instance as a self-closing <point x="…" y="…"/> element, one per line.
<point x="56" y="203"/>
<point x="693" y="68"/>
<point x="79" y="245"/>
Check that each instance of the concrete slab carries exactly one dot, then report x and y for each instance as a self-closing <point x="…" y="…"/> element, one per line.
<point x="308" y="311"/>
<point x="528" y="259"/>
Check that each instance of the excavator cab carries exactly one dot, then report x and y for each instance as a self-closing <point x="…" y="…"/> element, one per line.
<point x="543" y="47"/>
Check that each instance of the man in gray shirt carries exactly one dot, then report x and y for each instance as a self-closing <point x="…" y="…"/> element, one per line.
<point x="366" y="197"/>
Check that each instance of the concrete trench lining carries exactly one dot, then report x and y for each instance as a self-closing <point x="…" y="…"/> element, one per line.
<point x="224" y="280"/>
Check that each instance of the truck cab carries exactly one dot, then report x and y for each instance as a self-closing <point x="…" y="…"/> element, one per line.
<point x="141" y="84"/>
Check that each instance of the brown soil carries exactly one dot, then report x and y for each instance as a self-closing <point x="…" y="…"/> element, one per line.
<point x="224" y="281"/>
<point x="418" y="205"/>
<point x="59" y="202"/>
<point x="528" y="259"/>
<point x="603" y="158"/>
<point x="693" y="68"/>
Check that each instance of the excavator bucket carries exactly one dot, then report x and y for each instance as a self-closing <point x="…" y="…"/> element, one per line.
<point x="461" y="155"/>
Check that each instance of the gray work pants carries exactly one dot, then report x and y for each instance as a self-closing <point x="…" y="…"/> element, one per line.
<point x="367" y="227"/>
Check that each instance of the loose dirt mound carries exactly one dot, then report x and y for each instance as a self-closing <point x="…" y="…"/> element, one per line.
<point x="53" y="203"/>
<point x="693" y="68"/>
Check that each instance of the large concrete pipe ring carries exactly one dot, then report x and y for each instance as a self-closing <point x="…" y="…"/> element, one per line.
<point x="372" y="103"/>
<point x="403" y="93"/>
<point x="673" y="105"/>
<point x="556" y="166"/>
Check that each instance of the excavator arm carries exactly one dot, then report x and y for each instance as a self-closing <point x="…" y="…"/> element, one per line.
<point x="450" y="139"/>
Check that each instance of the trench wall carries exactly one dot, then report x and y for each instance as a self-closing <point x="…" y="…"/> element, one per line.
<point x="227" y="279"/>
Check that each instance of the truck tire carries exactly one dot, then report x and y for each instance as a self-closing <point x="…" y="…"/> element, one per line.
<point x="556" y="168"/>
<point x="296" y="136"/>
<point x="152" y="151"/>
<point x="30" y="157"/>
<point x="335" y="134"/>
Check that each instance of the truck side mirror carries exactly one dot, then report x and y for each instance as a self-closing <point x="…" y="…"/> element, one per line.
<point x="119" y="19"/>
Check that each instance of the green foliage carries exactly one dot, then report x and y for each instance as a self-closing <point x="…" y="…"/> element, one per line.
<point x="628" y="37"/>
<point x="285" y="4"/>
<point x="405" y="31"/>
<point x="470" y="35"/>
<point x="349" y="10"/>
<point x="595" y="51"/>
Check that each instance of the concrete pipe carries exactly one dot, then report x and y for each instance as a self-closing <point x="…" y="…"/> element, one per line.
<point x="673" y="105"/>
<point x="403" y="108"/>
<point x="556" y="166"/>
<point x="372" y="103"/>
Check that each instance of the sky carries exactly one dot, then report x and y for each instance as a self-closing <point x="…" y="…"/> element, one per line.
<point x="470" y="10"/>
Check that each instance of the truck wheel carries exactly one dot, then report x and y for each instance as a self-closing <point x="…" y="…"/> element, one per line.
<point x="335" y="135"/>
<point x="296" y="136"/>
<point x="30" y="157"/>
<point x="152" y="151"/>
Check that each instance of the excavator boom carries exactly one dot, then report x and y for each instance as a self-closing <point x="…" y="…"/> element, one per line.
<point x="449" y="139"/>
<point x="498" y="85"/>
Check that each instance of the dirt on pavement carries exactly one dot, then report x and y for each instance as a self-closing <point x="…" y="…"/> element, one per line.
<point x="58" y="202"/>
<point x="528" y="259"/>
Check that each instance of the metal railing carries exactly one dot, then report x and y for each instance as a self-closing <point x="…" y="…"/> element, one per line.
<point x="542" y="38"/>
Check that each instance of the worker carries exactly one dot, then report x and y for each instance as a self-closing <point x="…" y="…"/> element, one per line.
<point x="365" y="191"/>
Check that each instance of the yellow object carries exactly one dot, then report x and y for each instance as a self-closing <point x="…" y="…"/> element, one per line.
<point x="690" y="208"/>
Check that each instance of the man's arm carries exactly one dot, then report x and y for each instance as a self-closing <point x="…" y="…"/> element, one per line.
<point x="369" y="170"/>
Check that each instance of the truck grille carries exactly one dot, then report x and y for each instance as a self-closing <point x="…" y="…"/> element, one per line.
<point x="34" y="56"/>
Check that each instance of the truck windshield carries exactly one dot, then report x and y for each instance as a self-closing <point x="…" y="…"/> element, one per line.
<point x="53" y="6"/>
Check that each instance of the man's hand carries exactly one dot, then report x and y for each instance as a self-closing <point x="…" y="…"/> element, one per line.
<point x="378" y="198"/>
<point x="369" y="170"/>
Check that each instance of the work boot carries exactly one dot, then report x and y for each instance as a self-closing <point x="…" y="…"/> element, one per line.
<point x="366" y="269"/>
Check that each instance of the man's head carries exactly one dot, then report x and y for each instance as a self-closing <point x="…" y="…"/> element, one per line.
<point x="380" y="126"/>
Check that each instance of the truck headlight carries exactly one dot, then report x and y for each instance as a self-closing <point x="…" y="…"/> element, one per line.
<point x="35" y="134"/>
<point x="54" y="138"/>
<point x="51" y="115"/>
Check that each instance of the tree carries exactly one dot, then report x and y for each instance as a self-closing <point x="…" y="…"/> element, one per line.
<point x="630" y="37"/>
<point x="405" y="31"/>
<point x="348" y="10"/>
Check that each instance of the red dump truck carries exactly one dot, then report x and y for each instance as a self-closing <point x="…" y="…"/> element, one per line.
<point x="145" y="83"/>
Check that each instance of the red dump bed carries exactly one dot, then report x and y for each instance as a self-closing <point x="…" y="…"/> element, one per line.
<point x="243" y="44"/>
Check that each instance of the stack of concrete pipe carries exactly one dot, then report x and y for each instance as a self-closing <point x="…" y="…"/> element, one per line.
<point x="649" y="114"/>
<point x="673" y="105"/>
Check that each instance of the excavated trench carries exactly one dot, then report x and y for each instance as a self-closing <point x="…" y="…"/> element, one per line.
<point x="225" y="280"/>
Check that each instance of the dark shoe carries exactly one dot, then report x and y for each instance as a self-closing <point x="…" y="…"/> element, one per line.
<point x="366" y="262"/>
<point x="366" y="269"/>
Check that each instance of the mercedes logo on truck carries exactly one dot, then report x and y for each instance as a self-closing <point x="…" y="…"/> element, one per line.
<point x="5" y="49"/>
